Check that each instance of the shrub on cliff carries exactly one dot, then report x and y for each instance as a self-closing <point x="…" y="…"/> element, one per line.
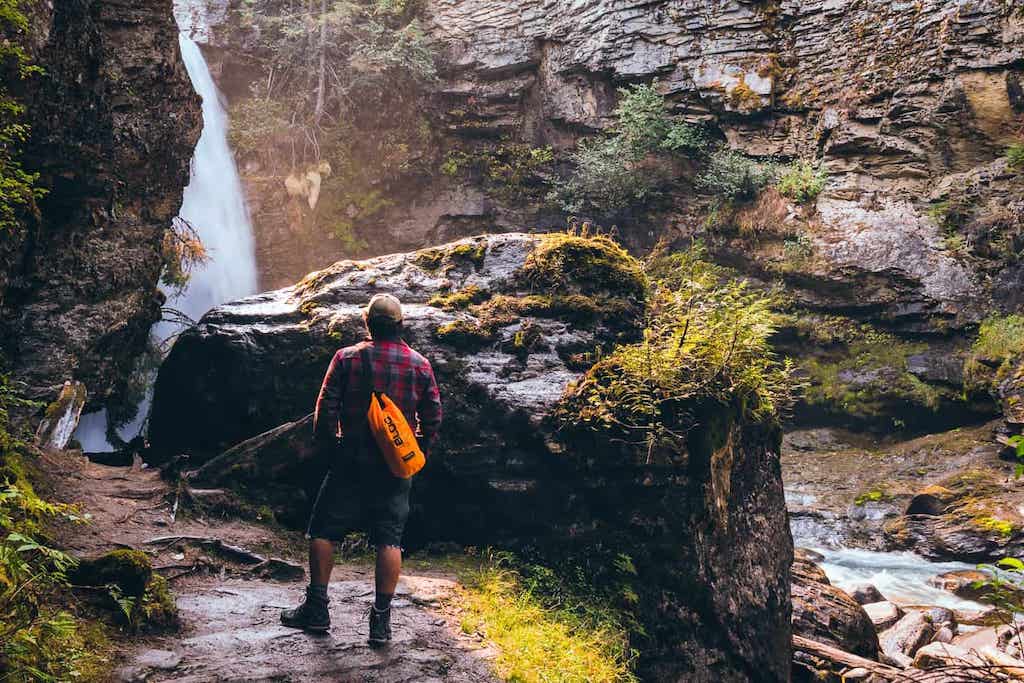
<point x="802" y="181"/>
<point x="1000" y="342"/>
<point x="1015" y="156"/>
<point x="621" y="170"/>
<point x="733" y="176"/>
<point x="705" y="340"/>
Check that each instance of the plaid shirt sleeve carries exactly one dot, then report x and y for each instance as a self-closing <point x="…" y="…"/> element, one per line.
<point x="428" y="410"/>
<point x="327" y="416"/>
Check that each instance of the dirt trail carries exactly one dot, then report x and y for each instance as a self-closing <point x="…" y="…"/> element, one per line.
<point x="229" y="603"/>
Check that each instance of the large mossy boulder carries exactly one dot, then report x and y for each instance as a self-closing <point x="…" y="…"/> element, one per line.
<point x="519" y="319"/>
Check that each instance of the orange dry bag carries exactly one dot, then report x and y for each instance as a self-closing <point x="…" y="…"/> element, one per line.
<point x="394" y="436"/>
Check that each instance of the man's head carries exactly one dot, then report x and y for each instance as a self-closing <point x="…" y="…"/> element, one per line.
<point x="383" y="316"/>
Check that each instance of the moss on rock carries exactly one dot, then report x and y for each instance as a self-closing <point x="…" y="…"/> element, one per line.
<point x="588" y="265"/>
<point x="466" y="334"/>
<point x="130" y="570"/>
<point x="442" y="259"/>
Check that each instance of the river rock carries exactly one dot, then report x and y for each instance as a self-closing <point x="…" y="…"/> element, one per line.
<point x="907" y="636"/>
<point x="961" y="583"/>
<point x="931" y="500"/>
<point x="938" y="655"/>
<point x="944" y="635"/>
<point x="865" y="593"/>
<point x="883" y="614"/>
<point x="826" y="614"/>
<point x="712" y="589"/>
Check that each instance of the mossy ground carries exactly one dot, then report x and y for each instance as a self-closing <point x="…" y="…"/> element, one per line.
<point x="544" y="629"/>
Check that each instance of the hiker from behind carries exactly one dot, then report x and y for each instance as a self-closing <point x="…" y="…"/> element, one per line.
<point x="358" y="471"/>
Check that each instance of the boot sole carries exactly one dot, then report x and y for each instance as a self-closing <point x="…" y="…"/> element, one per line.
<point x="311" y="628"/>
<point x="378" y="643"/>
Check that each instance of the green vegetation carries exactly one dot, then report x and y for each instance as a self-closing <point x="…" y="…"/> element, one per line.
<point x="545" y="629"/>
<point x="511" y="170"/>
<point x="1004" y="589"/>
<point x="874" y="495"/>
<point x="1015" y="156"/>
<point x="443" y="259"/>
<point x="734" y="177"/>
<point x="996" y="525"/>
<point x="18" y="190"/>
<point x="999" y="344"/>
<point x="40" y="638"/>
<point x="705" y="342"/>
<point x="620" y="170"/>
<point x="459" y="300"/>
<point x="866" y="377"/>
<point x="582" y="280"/>
<point x="801" y="181"/>
<point x="330" y="69"/>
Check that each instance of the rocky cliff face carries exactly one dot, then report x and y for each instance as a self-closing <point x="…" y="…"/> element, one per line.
<point x="707" y="534"/>
<point x="907" y="107"/>
<point x="114" y="120"/>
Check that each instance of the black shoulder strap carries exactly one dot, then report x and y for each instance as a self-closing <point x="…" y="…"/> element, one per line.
<point x="366" y="373"/>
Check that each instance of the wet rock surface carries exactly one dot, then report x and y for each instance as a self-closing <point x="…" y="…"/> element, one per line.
<point x="234" y="633"/>
<point x="827" y="614"/>
<point x="946" y="496"/>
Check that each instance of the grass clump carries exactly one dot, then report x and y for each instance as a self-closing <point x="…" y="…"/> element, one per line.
<point x="802" y="181"/>
<point x="1000" y="342"/>
<point x="1015" y="156"/>
<point x="705" y="340"/>
<point x="571" y="640"/>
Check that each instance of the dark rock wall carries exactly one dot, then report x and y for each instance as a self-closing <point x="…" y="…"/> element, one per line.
<point x="114" y="122"/>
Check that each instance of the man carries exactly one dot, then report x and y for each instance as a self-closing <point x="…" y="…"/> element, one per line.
<point x="382" y="363"/>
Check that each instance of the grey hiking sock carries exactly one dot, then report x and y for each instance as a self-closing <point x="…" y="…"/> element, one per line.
<point x="317" y="592"/>
<point x="382" y="601"/>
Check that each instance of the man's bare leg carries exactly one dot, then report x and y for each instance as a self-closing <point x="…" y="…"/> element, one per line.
<point x="389" y="566"/>
<point x="321" y="561"/>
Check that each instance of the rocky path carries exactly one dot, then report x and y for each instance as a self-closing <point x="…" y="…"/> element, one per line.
<point x="232" y="577"/>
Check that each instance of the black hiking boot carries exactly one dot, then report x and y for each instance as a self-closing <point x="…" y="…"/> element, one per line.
<point x="311" y="615"/>
<point x="380" y="626"/>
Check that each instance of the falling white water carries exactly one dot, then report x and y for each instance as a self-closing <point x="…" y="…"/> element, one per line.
<point x="215" y="207"/>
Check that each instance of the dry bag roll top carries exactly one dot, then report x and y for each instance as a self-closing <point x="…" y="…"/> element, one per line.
<point x="391" y="431"/>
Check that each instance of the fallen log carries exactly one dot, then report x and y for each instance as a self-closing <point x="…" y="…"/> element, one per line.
<point x="834" y="654"/>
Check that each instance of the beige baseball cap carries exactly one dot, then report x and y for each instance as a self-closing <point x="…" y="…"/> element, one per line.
<point x="384" y="306"/>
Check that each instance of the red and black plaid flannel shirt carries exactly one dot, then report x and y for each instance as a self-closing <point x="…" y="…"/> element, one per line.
<point x="397" y="370"/>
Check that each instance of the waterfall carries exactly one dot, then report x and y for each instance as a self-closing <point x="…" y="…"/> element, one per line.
<point x="214" y="205"/>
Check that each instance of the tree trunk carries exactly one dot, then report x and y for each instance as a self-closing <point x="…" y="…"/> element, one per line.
<point x="322" y="76"/>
